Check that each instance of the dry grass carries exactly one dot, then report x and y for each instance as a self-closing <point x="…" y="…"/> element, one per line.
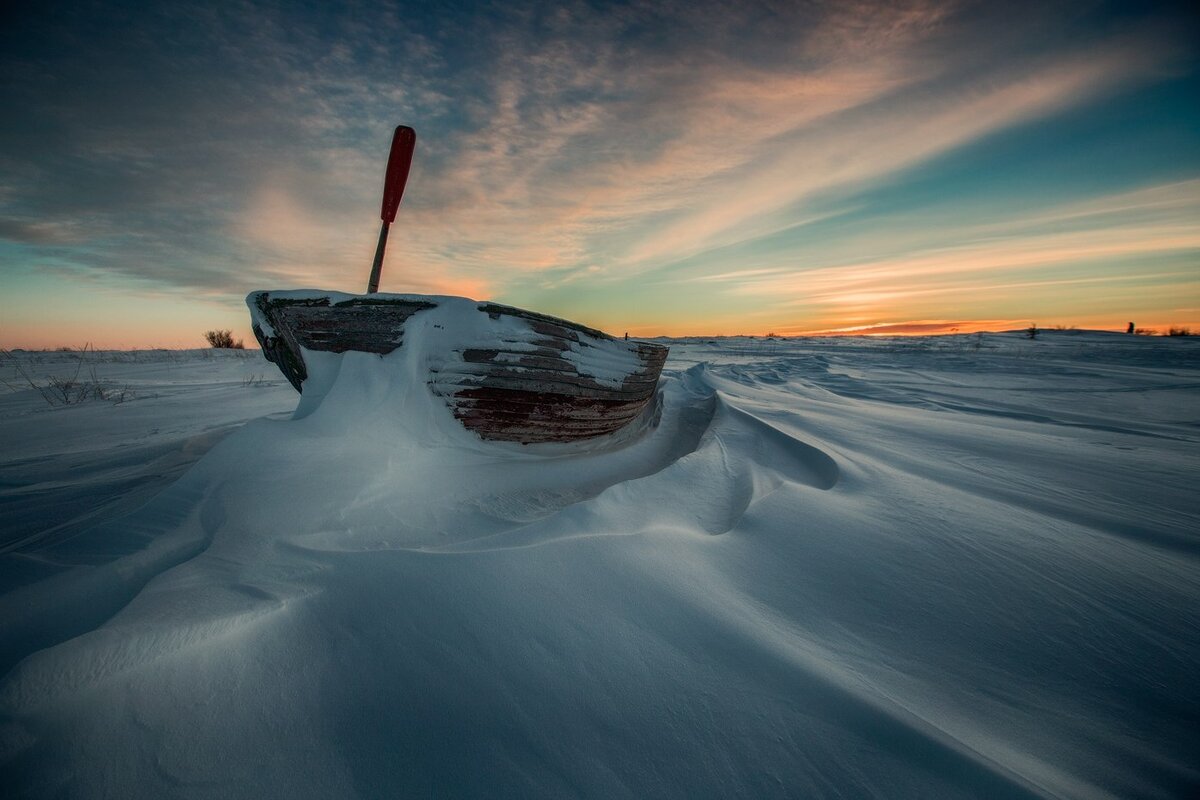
<point x="80" y="385"/>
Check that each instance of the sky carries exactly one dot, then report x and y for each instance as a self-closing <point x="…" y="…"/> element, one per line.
<point x="661" y="168"/>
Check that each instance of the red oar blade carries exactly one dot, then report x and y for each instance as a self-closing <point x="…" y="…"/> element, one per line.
<point x="404" y="141"/>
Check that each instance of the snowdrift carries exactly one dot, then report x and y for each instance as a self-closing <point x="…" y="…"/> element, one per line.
<point x="822" y="568"/>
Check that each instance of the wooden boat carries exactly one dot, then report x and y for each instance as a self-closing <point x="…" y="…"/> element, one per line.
<point x="525" y="377"/>
<point x="510" y="375"/>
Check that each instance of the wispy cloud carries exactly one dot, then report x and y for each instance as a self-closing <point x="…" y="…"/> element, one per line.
<point x="221" y="148"/>
<point x="589" y="146"/>
<point x="586" y="182"/>
<point x="912" y="328"/>
<point x="1158" y="219"/>
<point x="152" y="137"/>
<point x="867" y="147"/>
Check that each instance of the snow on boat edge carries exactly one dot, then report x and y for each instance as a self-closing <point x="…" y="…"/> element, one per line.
<point x="510" y="374"/>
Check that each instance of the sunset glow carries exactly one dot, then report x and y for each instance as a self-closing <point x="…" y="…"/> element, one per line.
<point x="920" y="168"/>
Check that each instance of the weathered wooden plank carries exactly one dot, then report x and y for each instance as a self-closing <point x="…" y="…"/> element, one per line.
<point x="534" y="434"/>
<point x="483" y="420"/>
<point x="547" y="371"/>
<point x="495" y="310"/>
<point x="337" y="329"/>
<point x="535" y="380"/>
<point x="536" y="388"/>
<point x="518" y="358"/>
<point x="287" y="358"/>
<point x="535" y="405"/>
<point x="589" y="363"/>
<point x="517" y="403"/>
<point x="512" y="404"/>
<point x="533" y="386"/>
<point x="535" y="429"/>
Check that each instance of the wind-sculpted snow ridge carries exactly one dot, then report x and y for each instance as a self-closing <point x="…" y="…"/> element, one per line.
<point x="825" y="569"/>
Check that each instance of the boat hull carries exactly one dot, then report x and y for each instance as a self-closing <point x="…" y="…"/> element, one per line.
<point x="516" y="375"/>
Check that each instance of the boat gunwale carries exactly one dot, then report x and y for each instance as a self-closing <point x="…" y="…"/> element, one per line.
<point x="550" y="397"/>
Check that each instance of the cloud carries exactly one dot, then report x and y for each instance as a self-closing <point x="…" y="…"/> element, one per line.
<point x="915" y="328"/>
<point x="865" y="147"/>
<point x="148" y="136"/>
<point x="221" y="148"/>
<point x="37" y="232"/>
<point x="1148" y="221"/>
<point x="587" y="142"/>
<point x="598" y="162"/>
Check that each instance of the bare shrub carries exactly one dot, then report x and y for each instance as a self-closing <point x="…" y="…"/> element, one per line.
<point x="223" y="340"/>
<point x="1145" y="332"/>
<point x="1179" y="331"/>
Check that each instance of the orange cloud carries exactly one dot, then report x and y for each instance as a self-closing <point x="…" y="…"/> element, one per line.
<point x="914" y="328"/>
<point x="993" y="257"/>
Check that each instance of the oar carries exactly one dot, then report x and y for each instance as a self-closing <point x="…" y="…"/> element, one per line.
<point x="404" y="140"/>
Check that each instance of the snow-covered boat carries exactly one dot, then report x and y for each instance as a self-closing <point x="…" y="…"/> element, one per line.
<point x="508" y="374"/>
<point x="505" y="373"/>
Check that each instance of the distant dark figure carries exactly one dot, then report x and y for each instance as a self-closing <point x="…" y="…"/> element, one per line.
<point x="1130" y="328"/>
<point x="627" y="335"/>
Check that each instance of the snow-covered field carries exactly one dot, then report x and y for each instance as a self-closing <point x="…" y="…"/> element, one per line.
<point x="961" y="566"/>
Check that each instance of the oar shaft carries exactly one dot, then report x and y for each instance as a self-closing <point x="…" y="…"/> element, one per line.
<point x="377" y="267"/>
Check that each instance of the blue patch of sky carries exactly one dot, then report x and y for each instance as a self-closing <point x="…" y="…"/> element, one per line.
<point x="1138" y="138"/>
<point x="1132" y="140"/>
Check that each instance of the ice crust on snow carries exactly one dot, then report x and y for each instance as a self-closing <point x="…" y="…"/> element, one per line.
<point x="951" y="567"/>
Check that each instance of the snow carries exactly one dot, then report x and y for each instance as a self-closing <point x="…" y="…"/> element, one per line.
<point x="957" y="566"/>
